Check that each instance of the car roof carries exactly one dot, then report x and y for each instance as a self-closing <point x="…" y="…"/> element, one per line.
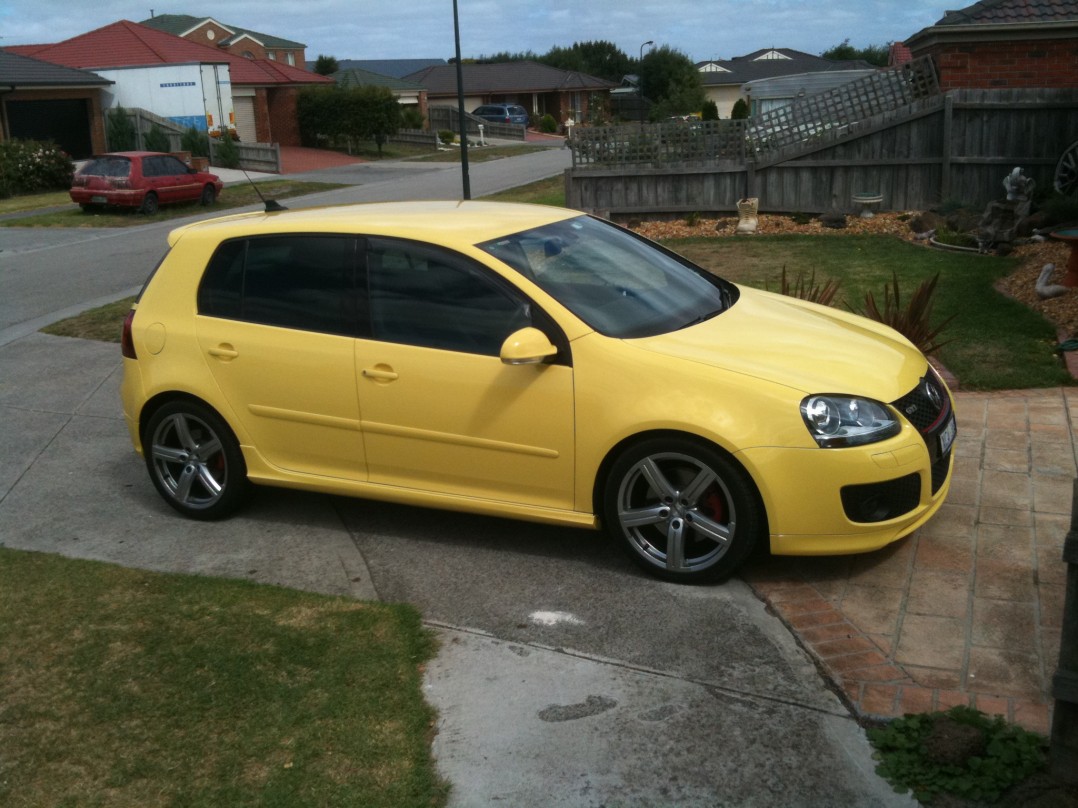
<point x="459" y="224"/>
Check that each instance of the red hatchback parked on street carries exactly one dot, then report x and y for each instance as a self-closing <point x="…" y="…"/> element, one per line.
<point x="142" y="180"/>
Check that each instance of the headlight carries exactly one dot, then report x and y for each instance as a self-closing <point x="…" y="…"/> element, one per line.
<point x="847" y="421"/>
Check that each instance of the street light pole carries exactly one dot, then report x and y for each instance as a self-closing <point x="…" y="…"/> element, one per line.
<point x="639" y="82"/>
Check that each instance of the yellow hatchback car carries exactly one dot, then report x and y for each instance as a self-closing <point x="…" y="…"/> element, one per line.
<point x="528" y="362"/>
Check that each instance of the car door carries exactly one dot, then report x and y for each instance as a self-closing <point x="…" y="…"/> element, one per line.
<point x="277" y="326"/>
<point x="441" y="412"/>
<point x="175" y="184"/>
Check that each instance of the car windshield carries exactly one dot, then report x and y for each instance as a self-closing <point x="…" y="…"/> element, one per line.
<point x="619" y="284"/>
<point x="108" y="167"/>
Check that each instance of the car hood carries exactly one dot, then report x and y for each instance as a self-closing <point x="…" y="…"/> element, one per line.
<point x="811" y="348"/>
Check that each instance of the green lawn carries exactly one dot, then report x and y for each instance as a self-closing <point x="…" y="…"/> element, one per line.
<point x="234" y="196"/>
<point x="121" y="687"/>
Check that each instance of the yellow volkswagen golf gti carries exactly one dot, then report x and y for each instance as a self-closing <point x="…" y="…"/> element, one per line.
<point x="528" y="362"/>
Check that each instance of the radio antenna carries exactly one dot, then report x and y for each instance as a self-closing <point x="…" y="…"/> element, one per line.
<point x="272" y="205"/>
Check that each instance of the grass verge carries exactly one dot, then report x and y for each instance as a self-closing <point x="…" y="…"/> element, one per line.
<point x="234" y="196"/>
<point x="129" y="688"/>
<point x="479" y="154"/>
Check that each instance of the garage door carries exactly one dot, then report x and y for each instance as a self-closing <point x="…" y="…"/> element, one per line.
<point x="245" y="119"/>
<point x="65" y="122"/>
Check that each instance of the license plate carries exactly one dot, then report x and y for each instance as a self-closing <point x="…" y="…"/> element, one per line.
<point x="98" y="200"/>
<point x="947" y="436"/>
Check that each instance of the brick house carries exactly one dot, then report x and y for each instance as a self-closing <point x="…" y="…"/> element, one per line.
<point x="230" y="38"/>
<point x="47" y="102"/>
<point x="1004" y="43"/>
<point x="155" y="70"/>
<point x="539" y="88"/>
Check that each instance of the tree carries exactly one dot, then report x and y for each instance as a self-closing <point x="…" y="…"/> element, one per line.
<point x="873" y="54"/>
<point x="326" y="65"/>
<point x="740" y="110"/>
<point x="671" y="81"/>
<point x="710" y="111"/>
<point x="596" y="58"/>
<point x="383" y="112"/>
<point x="120" y="131"/>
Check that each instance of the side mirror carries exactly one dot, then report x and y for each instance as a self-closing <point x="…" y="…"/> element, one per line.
<point x="528" y="346"/>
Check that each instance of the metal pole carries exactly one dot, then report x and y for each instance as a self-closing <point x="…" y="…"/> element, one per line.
<point x="1064" y="746"/>
<point x="460" y="109"/>
<point x="640" y="83"/>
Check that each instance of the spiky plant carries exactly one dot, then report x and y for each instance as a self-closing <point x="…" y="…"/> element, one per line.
<point x="808" y="289"/>
<point x="914" y="319"/>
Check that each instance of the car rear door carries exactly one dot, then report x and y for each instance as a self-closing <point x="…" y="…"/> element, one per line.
<point x="277" y="325"/>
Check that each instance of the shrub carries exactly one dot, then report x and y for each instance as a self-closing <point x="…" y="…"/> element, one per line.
<point x="28" y="166"/>
<point x="548" y="124"/>
<point x="447" y="136"/>
<point x="412" y="118"/>
<point x="961" y="752"/>
<point x="198" y="143"/>
<point x="120" y="131"/>
<point x="156" y="140"/>
<point x="710" y="111"/>
<point x="914" y="320"/>
<point x="740" y="110"/>
<point x="226" y="154"/>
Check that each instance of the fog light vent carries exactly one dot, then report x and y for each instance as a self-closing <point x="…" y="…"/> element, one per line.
<point x="878" y="502"/>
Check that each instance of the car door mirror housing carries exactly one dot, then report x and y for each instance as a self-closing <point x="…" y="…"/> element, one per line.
<point x="528" y="346"/>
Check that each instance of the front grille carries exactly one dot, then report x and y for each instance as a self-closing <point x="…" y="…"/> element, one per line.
<point x="928" y="408"/>
<point x="878" y="502"/>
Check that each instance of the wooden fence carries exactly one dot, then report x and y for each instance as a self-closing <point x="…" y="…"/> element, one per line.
<point x="253" y="156"/>
<point x="930" y="149"/>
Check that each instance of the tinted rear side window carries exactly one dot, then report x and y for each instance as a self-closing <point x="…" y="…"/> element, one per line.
<point x="305" y="282"/>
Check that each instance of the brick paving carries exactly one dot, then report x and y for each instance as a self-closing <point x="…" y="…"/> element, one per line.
<point x="968" y="609"/>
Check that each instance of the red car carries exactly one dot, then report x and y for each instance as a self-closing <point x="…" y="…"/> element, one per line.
<point x="142" y="180"/>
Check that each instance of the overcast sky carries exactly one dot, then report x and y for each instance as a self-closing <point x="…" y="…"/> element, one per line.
<point x="363" y="29"/>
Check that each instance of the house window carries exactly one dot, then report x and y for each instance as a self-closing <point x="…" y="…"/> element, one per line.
<point x="291" y="58"/>
<point x="248" y="55"/>
<point x="271" y="56"/>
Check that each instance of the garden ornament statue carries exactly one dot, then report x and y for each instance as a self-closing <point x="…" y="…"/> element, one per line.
<point x="747" y="210"/>
<point x="1001" y="218"/>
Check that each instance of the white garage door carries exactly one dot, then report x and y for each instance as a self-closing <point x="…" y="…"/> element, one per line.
<point x="245" y="119"/>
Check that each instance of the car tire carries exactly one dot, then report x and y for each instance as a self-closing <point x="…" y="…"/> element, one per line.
<point x="194" y="460"/>
<point x="209" y="195"/>
<point x="86" y="207"/>
<point x="682" y="509"/>
<point x="149" y="204"/>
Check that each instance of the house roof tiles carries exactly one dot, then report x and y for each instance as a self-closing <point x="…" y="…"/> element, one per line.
<point x="23" y="71"/>
<point x="355" y="77"/>
<point x="397" y="68"/>
<point x="784" y="62"/>
<point x="180" y="24"/>
<point x="989" y="12"/>
<point x="504" y="78"/>
<point x="128" y="44"/>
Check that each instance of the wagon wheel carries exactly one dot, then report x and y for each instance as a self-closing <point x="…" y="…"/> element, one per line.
<point x="1066" y="176"/>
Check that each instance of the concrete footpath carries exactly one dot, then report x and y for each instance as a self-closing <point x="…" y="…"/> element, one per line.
<point x="521" y="722"/>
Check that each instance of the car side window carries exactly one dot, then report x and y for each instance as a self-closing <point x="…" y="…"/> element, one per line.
<point x="150" y="167"/>
<point x="170" y="165"/>
<point x="305" y="282"/>
<point x="433" y="298"/>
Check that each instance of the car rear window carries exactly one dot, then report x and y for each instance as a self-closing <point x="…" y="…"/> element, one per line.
<point x="108" y="167"/>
